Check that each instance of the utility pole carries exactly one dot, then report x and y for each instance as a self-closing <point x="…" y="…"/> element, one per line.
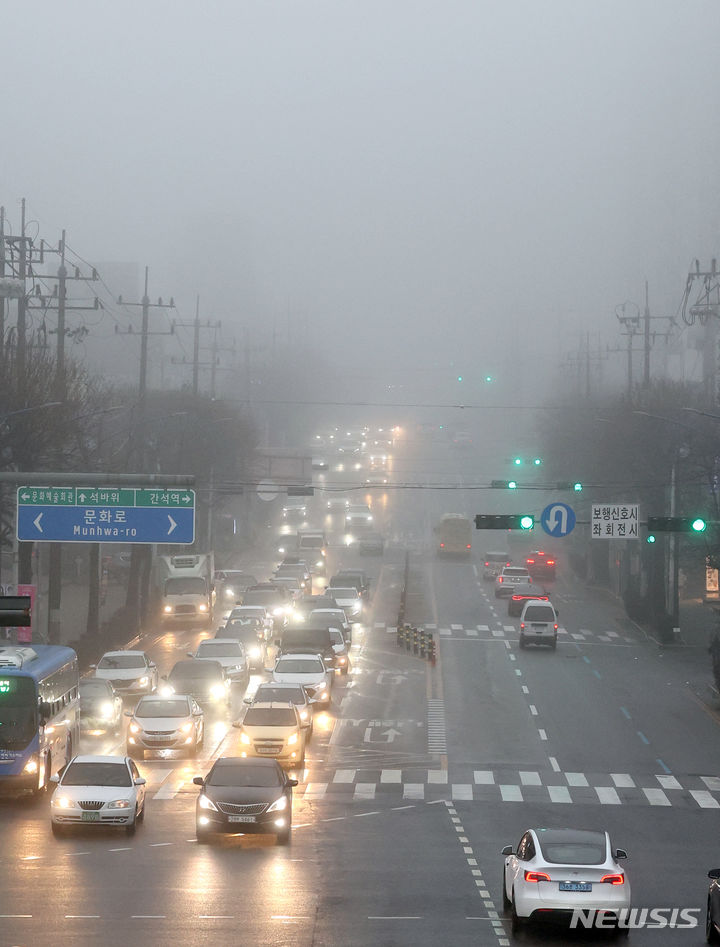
<point x="646" y="363"/>
<point x="197" y="327"/>
<point x="706" y="311"/>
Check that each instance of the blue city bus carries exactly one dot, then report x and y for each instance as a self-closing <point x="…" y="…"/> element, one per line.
<point x="39" y="714"/>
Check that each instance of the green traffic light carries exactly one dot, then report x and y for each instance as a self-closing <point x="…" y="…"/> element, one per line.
<point x="512" y="485"/>
<point x="651" y="538"/>
<point x="459" y="377"/>
<point x="698" y="525"/>
<point x="577" y="487"/>
<point x="527" y="522"/>
<point x="488" y="378"/>
<point x="537" y="461"/>
<point x="517" y="461"/>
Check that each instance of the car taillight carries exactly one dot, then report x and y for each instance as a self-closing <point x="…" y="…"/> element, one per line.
<point x="614" y="879"/>
<point x="551" y="562"/>
<point x="469" y="546"/>
<point x="555" y="626"/>
<point x="487" y="563"/>
<point x="538" y="876"/>
<point x="500" y="578"/>
<point x="442" y="545"/>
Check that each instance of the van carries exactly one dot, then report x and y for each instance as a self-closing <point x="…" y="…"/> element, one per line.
<point x="538" y="623"/>
<point x="304" y="639"/>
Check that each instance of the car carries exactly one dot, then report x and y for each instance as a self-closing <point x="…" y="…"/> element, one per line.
<point x="337" y="503"/>
<point x="376" y="481"/>
<point x="206" y="681"/>
<point x="131" y="673"/>
<point x="272" y="597"/>
<point x="538" y="624"/>
<point x="97" y="790"/>
<point x="356" y="577"/>
<point x="308" y="670"/>
<point x="358" y="517"/>
<point x="540" y="565"/>
<point x="292" y="566"/>
<point x="333" y="616"/>
<point x="307" y="605"/>
<point x="273" y="729"/>
<point x="348" y="598"/>
<point x="341" y="649"/>
<point x="319" y="463"/>
<point x="230" y="584"/>
<point x="245" y="795"/>
<point x="370" y="544"/>
<point x="293" y="693"/>
<point x="523" y="593"/>
<point x="259" y="612"/>
<point x="308" y="638"/>
<point x="230" y="653"/>
<point x="165" y="723"/>
<point x="101" y="707"/>
<point x="493" y="564"/>
<point x="509" y="578"/>
<point x="293" y="584"/>
<point x="554" y="872"/>
<point x="461" y="439"/>
<point x="712" y="916"/>
<point x="250" y="632"/>
<point x="312" y="544"/>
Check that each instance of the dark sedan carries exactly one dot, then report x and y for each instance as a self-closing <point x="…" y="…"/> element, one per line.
<point x="523" y="593"/>
<point x="244" y="796"/>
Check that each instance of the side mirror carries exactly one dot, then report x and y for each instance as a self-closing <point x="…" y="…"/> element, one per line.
<point x="247" y="700"/>
<point x="93" y="666"/>
<point x="197" y="713"/>
<point x="714" y="873"/>
<point x="508" y="850"/>
<point x="139" y="781"/>
<point x="557" y="611"/>
<point x="292" y="782"/>
<point x="164" y="677"/>
<point x="237" y="724"/>
<point x="55" y="778"/>
<point x="621" y="853"/>
<point x="128" y="713"/>
<point x="152" y="664"/>
<point x="198" y="781"/>
<point x="45" y="709"/>
<point x="190" y="654"/>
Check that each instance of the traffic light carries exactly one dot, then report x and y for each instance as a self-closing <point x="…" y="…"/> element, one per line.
<point x="651" y="538"/>
<point x="503" y="484"/>
<point x="517" y="461"/>
<point x="504" y="521"/>
<point x="537" y="461"/>
<point x="676" y="524"/>
<point x="568" y="485"/>
<point x="15" y="611"/>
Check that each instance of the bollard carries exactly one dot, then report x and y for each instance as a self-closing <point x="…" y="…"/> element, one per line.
<point x="431" y="653"/>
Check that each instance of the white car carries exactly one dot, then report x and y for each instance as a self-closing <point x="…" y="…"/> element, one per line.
<point x="556" y="871"/>
<point x="538" y="624"/>
<point x="349" y="599"/>
<point x="335" y="614"/>
<point x="98" y="790"/>
<point x="165" y="723"/>
<point x="130" y="672"/>
<point x="509" y="577"/>
<point x="230" y="653"/>
<point x="358" y="516"/>
<point x="263" y="615"/>
<point x="308" y="670"/>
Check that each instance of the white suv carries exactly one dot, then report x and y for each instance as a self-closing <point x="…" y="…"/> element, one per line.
<point x="509" y="578"/>
<point x="538" y="624"/>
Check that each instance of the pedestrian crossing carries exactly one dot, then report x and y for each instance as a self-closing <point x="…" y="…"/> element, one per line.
<point x="479" y="785"/>
<point x="504" y="630"/>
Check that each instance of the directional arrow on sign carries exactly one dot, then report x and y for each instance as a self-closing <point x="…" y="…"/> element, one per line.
<point x="36" y="522"/>
<point x="24" y="496"/>
<point x="553" y="518"/>
<point x="81" y="497"/>
<point x="173" y="524"/>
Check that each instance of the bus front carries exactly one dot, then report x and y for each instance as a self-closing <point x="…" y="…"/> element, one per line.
<point x="21" y="768"/>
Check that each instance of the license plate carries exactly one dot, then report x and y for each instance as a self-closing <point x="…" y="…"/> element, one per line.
<point x="575" y="886"/>
<point x="270" y="750"/>
<point x="91" y="817"/>
<point x="534" y="625"/>
<point x="241" y="818"/>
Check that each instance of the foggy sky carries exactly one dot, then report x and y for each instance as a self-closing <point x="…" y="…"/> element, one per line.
<point x="442" y="178"/>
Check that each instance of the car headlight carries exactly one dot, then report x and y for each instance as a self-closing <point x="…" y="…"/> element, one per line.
<point x="202" y="607"/>
<point x="279" y="805"/>
<point x="356" y="606"/>
<point x="134" y="728"/>
<point x="31" y="766"/>
<point x="143" y="681"/>
<point x="217" y="691"/>
<point x="304" y="715"/>
<point x="106" y="710"/>
<point x="324" y="695"/>
<point x="244" y="738"/>
<point x="167" y="609"/>
<point x="341" y="659"/>
<point x="119" y="804"/>
<point x="255" y="652"/>
<point x="229" y="593"/>
<point x="167" y="690"/>
<point x="186" y="728"/>
<point x="62" y="802"/>
<point x="292" y="739"/>
<point x="206" y="803"/>
<point x="319" y="563"/>
<point x="278" y="611"/>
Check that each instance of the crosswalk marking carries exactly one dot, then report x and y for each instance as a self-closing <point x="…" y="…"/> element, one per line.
<point x="576" y="779"/>
<point x="315" y="790"/>
<point x="462" y="791"/>
<point x="623" y="780"/>
<point x="559" y="794"/>
<point x="509" y="628"/>
<point x="414" y="791"/>
<point x="511" y="793"/>
<point x="364" y="791"/>
<point x="483" y="628"/>
<point x="703" y="798"/>
<point x="484" y="777"/>
<point x="530" y="778"/>
<point x="669" y="782"/>
<point x="498" y="633"/>
<point x="445" y="631"/>
<point x="656" y="797"/>
<point x="457" y="627"/>
<point x="712" y="782"/>
<point x="437" y="776"/>
<point x="344" y="776"/>
<point x="455" y="630"/>
<point x="607" y="796"/>
<point x="391" y="776"/>
<point x="472" y="633"/>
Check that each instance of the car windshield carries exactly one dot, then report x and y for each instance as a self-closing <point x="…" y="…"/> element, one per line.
<point x="268" y="692"/>
<point x="97" y="773"/>
<point x="299" y="666"/>
<point x="263" y="597"/>
<point x="211" y="649"/>
<point x="199" y="671"/>
<point x="311" y="542"/>
<point x="574" y="853"/>
<point x="111" y="662"/>
<point x="343" y="593"/>
<point x="18" y="712"/>
<point x="241" y="776"/>
<point x="270" y="717"/>
<point x="336" y="636"/>
<point x="539" y="613"/>
<point x="172" y="707"/>
<point x="516" y="572"/>
<point x="187" y="585"/>
<point x="95" y="688"/>
<point x="254" y="612"/>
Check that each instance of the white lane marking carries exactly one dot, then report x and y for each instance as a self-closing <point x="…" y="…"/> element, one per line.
<point x="530" y="778"/>
<point x="484" y="777"/>
<point x="456" y="627"/>
<point x="364" y="791"/>
<point x="543" y="735"/>
<point x="623" y="780"/>
<point x="668" y="782"/>
<point x="607" y="796"/>
<point x="509" y="627"/>
<point x="554" y="763"/>
<point x="704" y="799"/>
<point x="359" y="815"/>
<point x="344" y="776"/>
<point x="169" y="791"/>
<point x="471" y="633"/>
<point x="390" y="775"/>
<point x="160" y="844"/>
<point x="559" y="794"/>
<point x="483" y="627"/>
<point x="314" y="791"/>
<point x="656" y="797"/>
<point x="445" y="631"/>
<point x="533" y="710"/>
<point x="525" y="689"/>
<point x="712" y="782"/>
<point x="511" y="794"/>
<point x="512" y="657"/>
<point x="126" y="849"/>
<point x="437" y="776"/>
<point x="415" y="791"/>
<point x="461" y="791"/>
<point x="576" y="779"/>
<point x="498" y="633"/>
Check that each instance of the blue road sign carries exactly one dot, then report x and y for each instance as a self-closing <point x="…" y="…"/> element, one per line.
<point x="76" y="522"/>
<point x="558" y="519"/>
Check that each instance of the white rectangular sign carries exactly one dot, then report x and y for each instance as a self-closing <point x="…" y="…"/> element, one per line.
<point x="615" y="521"/>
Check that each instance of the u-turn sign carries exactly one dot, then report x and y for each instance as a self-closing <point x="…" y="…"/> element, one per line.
<point x="558" y="519"/>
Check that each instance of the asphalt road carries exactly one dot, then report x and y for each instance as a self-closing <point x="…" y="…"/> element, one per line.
<point x="414" y="781"/>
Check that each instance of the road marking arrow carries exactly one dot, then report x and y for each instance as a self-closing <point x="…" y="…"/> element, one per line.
<point x="391" y="734"/>
<point x="36" y="522"/>
<point x="173" y="524"/>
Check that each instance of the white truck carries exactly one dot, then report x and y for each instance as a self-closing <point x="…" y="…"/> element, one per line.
<point x="185" y="586"/>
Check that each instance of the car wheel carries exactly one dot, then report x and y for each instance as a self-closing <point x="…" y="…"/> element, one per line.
<point x="522" y="641"/>
<point x="202" y="836"/>
<point x="57" y="830"/>
<point x="141" y="814"/>
<point x="283" y="838"/>
<point x="553" y="643"/>
<point x="497" y="595"/>
<point x="515" y="921"/>
<point x="711" y="934"/>
<point x="345" y="669"/>
<point x="507" y="904"/>
<point x="130" y="828"/>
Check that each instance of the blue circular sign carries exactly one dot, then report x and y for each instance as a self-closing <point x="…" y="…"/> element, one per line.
<point x="558" y="519"/>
